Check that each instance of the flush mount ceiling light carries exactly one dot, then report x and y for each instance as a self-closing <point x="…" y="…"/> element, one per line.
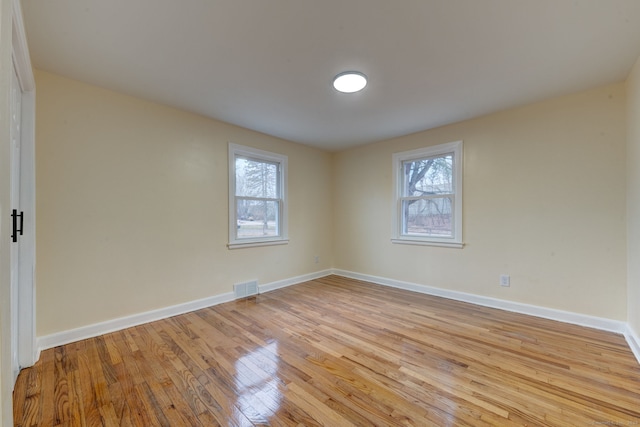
<point x="350" y="82"/>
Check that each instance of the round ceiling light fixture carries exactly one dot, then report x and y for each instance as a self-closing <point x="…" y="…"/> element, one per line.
<point x="350" y="82"/>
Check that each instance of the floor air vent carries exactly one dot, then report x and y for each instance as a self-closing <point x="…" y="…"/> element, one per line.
<point x="245" y="289"/>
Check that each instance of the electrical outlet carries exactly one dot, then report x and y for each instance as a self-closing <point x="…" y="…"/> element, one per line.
<point x="317" y="259"/>
<point x="505" y="280"/>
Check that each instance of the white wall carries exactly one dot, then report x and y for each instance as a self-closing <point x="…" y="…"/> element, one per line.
<point x="132" y="207"/>
<point x="6" y="376"/>
<point x="633" y="197"/>
<point x="544" y="201"/>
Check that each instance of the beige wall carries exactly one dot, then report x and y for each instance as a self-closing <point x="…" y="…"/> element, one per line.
<point x="544" y="201"/>
<point x="6" y="376"/>
<point x="132" y="207"/>
<point x="633" y="197"/>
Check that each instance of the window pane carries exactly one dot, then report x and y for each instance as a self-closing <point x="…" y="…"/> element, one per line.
<point x="257" y="218"/>
<point x="428" y="176"/>
<point x="256" y="178"/>
<point x="427" y="217"/>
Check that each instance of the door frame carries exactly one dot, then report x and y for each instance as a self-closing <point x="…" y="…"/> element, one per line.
<point x="14" y="203"/>
<point x="28" y="352"/>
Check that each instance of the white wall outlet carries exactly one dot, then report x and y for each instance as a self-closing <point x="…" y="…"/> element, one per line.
<point x="505" y="280"/>
<point x="317" y="259"/>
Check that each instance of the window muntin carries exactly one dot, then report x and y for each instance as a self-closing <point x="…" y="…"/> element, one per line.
<point x="257" y="210"/>
<point x="428" y="199"/>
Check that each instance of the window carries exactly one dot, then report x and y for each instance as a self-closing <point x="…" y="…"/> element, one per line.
<point x="428" y="196"/>
<point x="257" y="197"/>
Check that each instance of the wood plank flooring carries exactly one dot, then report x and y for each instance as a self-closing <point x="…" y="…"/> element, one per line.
<point x="337" y="352"/>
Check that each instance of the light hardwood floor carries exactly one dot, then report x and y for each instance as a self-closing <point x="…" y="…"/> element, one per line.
<point x="337" y="352"/>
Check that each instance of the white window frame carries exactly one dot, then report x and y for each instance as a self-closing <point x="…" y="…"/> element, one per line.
<point x="236" y="150"/>
<point x="397" y="236"/>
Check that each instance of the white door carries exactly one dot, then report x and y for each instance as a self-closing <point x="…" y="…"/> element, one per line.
<point x="16" y="109"/>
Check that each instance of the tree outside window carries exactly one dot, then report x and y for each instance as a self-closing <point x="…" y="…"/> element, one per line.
<point x="428" y="196"/>
<point x="257" y="195"/>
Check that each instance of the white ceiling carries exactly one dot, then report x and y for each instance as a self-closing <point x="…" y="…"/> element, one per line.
<point x="267" y="65"/>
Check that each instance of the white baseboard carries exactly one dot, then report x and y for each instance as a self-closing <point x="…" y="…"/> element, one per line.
<point x="632" y="338"/>
<point x="293" y="281"/>
<point x="96" y="329"/>
<point x="90" y="331"/>
<point x="634" y="342"/>
<point x="532" y="310"/>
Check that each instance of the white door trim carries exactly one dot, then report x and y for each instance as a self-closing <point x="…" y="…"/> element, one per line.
<point x="27" y="351"/>
<point x="14" y="253"/>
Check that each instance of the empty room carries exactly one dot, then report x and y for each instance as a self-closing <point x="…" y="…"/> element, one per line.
<point x="336" y="213"/>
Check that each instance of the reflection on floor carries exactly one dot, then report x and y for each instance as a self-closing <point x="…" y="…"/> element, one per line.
<point x="337" y="352"/>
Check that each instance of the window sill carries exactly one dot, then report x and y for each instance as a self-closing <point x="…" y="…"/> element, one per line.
<point x="428" y="243"/>
<point x="240" y="245"/>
